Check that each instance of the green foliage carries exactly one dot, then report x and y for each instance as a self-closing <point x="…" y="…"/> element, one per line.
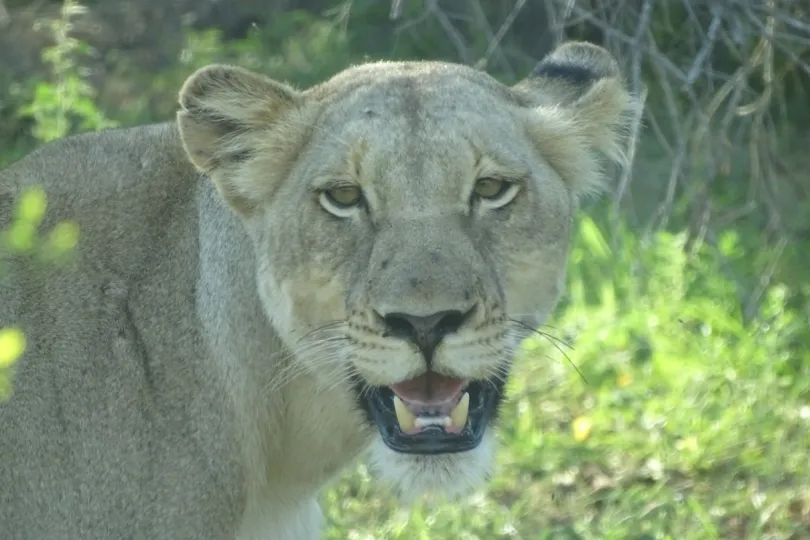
<point x="58" y="108"/>
<point x="63" y="104"/>
<point x="21" y="238"/>
<point x="294" y="47"/>
<point x="12" y="345"/>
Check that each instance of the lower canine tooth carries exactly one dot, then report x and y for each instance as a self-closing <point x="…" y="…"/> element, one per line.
<point x="405" y="417"/>
<point x="459" y="414"/>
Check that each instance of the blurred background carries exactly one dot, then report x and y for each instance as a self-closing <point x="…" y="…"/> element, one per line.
<point x="669" y="397"/>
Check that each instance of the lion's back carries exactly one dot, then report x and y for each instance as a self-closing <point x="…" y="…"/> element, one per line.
<point x="118" y="185"/>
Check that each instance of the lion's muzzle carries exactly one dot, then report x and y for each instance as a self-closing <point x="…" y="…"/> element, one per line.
<point x="425" y="290"/>
<point x="432" y="413"/>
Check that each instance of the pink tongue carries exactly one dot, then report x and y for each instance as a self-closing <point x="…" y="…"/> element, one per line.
<point x="430" y="389"/>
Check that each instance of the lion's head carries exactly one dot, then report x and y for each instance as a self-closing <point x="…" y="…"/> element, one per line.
<point x="411" y="222"/>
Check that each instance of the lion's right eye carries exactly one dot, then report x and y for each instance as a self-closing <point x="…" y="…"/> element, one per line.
<point x="340" y="200"/>
<point x="494" y="192"/>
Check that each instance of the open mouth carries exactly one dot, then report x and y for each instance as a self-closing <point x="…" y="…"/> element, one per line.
<point x="432" y="413"/>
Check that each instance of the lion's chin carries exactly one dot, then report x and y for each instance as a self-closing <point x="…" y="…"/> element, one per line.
<point x="447" y="476"/>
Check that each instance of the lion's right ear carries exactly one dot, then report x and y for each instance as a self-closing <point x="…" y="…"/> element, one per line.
<point x="222" y="110"/>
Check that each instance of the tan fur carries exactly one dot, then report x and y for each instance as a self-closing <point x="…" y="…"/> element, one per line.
<point x="188" y="374"/>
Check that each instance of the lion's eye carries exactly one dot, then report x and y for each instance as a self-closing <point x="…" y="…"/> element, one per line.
<point x="344" y="196"/>
<point x="340" y="200"/>
<point x="490" y="188"/>
<point x="495" y="192"/>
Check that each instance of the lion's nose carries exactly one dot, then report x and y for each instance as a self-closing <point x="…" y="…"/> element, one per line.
<point x="425" y="331"/>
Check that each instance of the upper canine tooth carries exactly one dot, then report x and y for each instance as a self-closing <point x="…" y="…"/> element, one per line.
<point x="459" y="414"/>
<point x="406" y="419"/>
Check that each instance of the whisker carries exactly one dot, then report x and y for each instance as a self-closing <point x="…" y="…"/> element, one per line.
<point x="288" y="354"/>
<point x="315" y="359"/>
<point x="313" y="354"/>
<point x="327" y="326"/>
<point x="513" y="316"/>
<point x="345" y="377"/>
<point x="554" y="341"/>
<point x="550" y="337"/>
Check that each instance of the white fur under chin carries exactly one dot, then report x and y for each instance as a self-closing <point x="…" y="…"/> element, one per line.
<point x="449" y="476"/>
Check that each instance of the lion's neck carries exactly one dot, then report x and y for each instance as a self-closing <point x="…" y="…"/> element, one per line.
<point x="294" y="434"/>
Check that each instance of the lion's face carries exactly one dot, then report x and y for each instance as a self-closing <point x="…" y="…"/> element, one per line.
<point x="411" y="224"/>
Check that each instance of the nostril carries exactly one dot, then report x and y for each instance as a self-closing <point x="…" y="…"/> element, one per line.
<point x="454" y="320"/>
<point x="398" y="325"/>
<point x="450" y="322"/>
<point x="428" y="330"/>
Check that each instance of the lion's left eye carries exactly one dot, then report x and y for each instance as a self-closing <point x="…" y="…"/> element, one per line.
<point x="495" y="192"/>
<point x="342" y="200"/>
<point x="345" y="196"/>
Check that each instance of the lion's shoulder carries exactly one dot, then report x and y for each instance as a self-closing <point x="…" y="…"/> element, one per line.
<point x="97" y="159"/>
<point x="130" y="191"/>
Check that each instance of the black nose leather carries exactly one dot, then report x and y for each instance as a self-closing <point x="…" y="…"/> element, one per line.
<point x="425" y="331"/>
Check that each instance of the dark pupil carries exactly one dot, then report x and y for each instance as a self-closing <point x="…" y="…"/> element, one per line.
<point x="491" y="188"/>
<point x="344" y="196"/>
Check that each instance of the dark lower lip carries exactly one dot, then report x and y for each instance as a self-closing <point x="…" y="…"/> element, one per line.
<point x="485" y="397"/>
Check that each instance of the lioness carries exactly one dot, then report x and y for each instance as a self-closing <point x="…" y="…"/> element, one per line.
<point x="282" y="279"/>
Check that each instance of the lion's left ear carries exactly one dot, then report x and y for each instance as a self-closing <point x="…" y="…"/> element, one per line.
<point x="581" y="107"/>
<point x="224" y="111"/>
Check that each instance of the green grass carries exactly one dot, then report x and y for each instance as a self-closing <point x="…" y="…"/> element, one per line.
<point x="699" y="424"/>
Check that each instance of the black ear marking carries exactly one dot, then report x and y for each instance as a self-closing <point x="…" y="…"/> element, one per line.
<point x="569" y="72"/>
<point x="241" y="157"/>
<point x="572" y="74"/>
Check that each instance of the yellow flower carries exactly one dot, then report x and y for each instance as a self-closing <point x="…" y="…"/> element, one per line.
<point x="624" y="380"/>
<point x="12" y="345"/>
<point x="689" y="444"/>
<point x="582" y="428"/>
